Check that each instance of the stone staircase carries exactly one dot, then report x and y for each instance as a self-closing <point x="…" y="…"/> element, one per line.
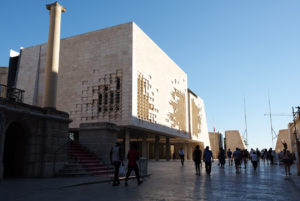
<point x="84" y="163"/>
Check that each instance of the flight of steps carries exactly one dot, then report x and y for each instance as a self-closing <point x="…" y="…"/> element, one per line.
<point x="83" y="163"/>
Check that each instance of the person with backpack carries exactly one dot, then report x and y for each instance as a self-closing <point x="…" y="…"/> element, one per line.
<point x="286" y="159"/>
<point x="116" y="160"/>
<point x="207" y="157"/>
<point x="197" y="159"/>
<point x="254" y="159"/>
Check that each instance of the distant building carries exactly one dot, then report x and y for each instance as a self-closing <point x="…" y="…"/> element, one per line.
<point x="216" y="142"/>
<point x="283" y="136"/>
<point x="3" y="75"/>
<point x="233" y="140"/>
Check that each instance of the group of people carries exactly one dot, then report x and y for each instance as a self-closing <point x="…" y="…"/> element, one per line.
<point x="240" y="157"/>
<point x="117" y="160"/>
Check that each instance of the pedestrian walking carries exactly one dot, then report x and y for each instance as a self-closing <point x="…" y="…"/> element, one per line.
<point x="207" y="157"/>
<point x="181" y="155"/>
<point x="116" y="160"/>
<point x="245" y="156"/>
<point x="237" y="159"/>
<point x="197" y="159"/>
<point x="271" y="156"/>
<point x="254" y="159"/>
<point x="286" y="159"/>
<point x="221" y="157"/>
<point x="229" y="156"/>
<point x="133" y="156"/>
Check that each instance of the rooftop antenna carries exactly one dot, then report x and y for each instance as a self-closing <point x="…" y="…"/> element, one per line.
<point x="245" y="136"/>
<point x="273" y="133"/>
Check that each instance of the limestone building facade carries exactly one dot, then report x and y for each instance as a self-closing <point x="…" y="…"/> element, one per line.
<point x="234" y="140"/>
<point x="118" y="75"/>
<point x="216" y="142"/>
<point x="283" y="136"/>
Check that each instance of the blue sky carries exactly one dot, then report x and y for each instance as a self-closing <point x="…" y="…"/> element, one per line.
<point x="230" y="49"/>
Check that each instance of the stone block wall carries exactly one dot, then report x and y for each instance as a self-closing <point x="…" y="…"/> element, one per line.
<point x="234" y="140"/>
<point x="214" y="138"/>
<point x="98" y="138"/>
<point x="90" y="64"/>
<point x="197" y="119"/>
<point x="44" y="134"/>
<point x="283" y="136"/>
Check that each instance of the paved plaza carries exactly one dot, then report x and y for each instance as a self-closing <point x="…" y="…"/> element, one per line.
<point x="168" y="181"/>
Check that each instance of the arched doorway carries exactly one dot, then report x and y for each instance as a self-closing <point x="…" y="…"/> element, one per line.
<point x="14" y="151"/>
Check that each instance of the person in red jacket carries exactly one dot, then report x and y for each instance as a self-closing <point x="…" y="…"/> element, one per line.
<point x="133" y="156"/>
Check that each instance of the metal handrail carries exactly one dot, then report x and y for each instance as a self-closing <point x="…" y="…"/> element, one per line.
<point x="11" y="93"/>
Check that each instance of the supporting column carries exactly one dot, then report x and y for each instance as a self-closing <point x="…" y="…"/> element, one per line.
<point x="52" y="60"/>
<point x="145" y="147"/>
<point x="190" y="151"/>
<point x="156" y="148"/>
<point x="127" y="142"/>
<point x="185" y="151"/>
<point x="168" y="151"/>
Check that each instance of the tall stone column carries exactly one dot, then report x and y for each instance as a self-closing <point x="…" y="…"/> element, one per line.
<point x="168" y="149"/>
<point x="127" y="142"/>
<point x="145" y="147"/>
<point x="52" y="61"/>
<point x="185" y="150"/>
<point x="190" y="151"/>
<point x="156" y="148"/>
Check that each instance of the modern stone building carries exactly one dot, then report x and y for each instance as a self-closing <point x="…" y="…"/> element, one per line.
<point x="233" y="140"/>
<point x="216" y="142"/>
<point x="117" y="84"/>
<point x="283" y="136"/>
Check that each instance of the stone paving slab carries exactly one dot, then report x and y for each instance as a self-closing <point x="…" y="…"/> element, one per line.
<point x="169" y="181"/>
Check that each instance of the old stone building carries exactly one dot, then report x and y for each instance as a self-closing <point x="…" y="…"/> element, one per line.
<point x="119" y="76"/>
<point x="32" y="138"/>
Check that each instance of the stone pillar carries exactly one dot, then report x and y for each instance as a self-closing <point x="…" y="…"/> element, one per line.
<point x="127" y="142"/>
<point x="156" y="148"/>
<point x="190" y="151"/>
<point x="52" y="61"/>
<point x="145" y="147"/>
<point x="185" y="151"/>
<point x="168" y="151"/>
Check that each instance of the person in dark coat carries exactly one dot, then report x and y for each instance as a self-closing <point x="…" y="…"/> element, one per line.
<point x="133" y="156"/>
<point x="221" y="157"/>
<point x="207" y="157"/>
<point x="197" y="159"/>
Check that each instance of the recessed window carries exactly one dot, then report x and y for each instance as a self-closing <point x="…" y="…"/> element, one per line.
<point x="118" y="83"/>
<point x="105" y="98"/>
<point x="111" y="97"/>
<point x="118" y="97"/>
<point x="100" y="99"/>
